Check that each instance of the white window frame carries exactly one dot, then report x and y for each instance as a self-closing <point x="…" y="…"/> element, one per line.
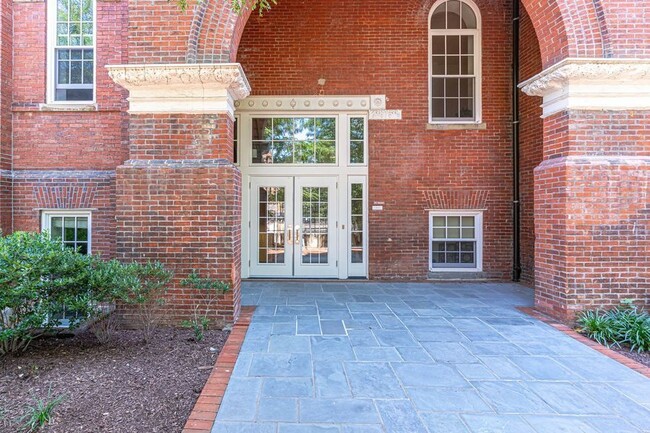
<point x="478" y="88"/>
<point x="47" y="215"/>
<point x="478" y="234"/>
<point x="237" y="133"/>
<point x="348" y="141"/>
<point x="51" y="57"/>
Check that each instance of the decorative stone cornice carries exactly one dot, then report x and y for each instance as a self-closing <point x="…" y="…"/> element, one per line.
<point x="592" y="84"/>
<point x="182" y="88"/>
<point x="374" y="105"/>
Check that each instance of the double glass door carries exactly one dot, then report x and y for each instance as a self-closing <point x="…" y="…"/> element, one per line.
<point x="293" y="227"/>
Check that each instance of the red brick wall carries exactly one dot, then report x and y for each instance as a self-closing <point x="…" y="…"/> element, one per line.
<point x="383" y="50"/>
<point x="592" y="212"/>
<point x="186" y="215"/>
<point x="530" y="145"/>
<point x="36" y="190"/>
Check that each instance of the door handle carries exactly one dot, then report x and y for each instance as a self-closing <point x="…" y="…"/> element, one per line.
<point x="289" y="234"/>
<point x="297" y="236"/>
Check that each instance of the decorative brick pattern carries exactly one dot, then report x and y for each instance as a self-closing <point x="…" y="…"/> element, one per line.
<point x="451" y="199"/>
<point x="630" y="363"/>
<point x="206" y="407"/>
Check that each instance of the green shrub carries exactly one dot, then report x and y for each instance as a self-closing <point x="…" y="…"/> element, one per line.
<point x="40" y="277"/>
<point x="206" y="293"/>
<point x="145" y="286"/>
<point x="620" y="326"/>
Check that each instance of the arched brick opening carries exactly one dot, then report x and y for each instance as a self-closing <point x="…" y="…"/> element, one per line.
<point x="565" y="28"/>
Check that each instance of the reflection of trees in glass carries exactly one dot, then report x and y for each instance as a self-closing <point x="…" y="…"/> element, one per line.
<point x="357" y="136"/>
<point x="294" y="140"/>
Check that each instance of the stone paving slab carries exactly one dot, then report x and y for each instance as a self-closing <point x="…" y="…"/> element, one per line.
<point x="367" y="357"/>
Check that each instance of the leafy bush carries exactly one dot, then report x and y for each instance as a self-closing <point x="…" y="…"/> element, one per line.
<point x="39" y="277"/>
<point x="146" y="288"/>
<point x="206" y="294"/>
<point x="620" y="326"/>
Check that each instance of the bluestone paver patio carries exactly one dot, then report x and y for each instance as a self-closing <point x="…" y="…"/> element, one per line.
<point x="419" y="358"/>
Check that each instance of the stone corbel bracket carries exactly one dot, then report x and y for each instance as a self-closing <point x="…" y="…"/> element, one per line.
<point x="182" y="88"/>
<point x="592" y="84"/>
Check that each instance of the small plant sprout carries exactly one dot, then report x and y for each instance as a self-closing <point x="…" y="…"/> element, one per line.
<point x="40" y="413"/>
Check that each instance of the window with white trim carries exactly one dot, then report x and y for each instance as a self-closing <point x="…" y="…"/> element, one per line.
<point x="456" y="241"/>
<point x="71" y="29"/>
<point x="454" y="62"/>
<point x="71" y="228"/>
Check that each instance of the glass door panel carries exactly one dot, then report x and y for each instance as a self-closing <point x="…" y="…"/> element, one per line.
<point x="272" y="227"/>
<point x="315" y="251"/>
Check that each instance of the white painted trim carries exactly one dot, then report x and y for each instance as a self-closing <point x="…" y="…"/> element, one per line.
<point x="47" y="215"/>
<point x="307" y="104"/>
<point x="478" y="64"/>
<point x="592" y="84"/>
<point x="182" y="88"/>
<point x="478" y="234"/>
<point x="355" y="269"/>
<point x="50" y="89"/>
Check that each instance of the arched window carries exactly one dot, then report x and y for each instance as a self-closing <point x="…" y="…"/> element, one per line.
<point x="454" y="62"/>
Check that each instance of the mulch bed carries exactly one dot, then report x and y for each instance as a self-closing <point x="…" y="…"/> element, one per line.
<point x="124" y="386"/>
<point x="643" y="357"/>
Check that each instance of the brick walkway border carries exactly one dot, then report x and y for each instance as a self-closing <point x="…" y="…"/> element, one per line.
<point x="634" y="365"/>
<point x="205" y="410"/>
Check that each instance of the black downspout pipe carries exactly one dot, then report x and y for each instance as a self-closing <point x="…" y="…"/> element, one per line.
<point x="516" y="214"/>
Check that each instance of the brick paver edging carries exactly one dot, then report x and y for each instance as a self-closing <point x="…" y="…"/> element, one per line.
<point x="634" y="365"/>
<point x="205" y="410"/>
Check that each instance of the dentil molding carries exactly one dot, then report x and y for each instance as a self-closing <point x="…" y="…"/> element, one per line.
<point x="182" y="88"/>
<point x="592" y="84"/>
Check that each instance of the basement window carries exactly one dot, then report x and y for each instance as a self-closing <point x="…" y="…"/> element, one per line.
<point x="71" y="53"/>
<point x="456" y="241"/>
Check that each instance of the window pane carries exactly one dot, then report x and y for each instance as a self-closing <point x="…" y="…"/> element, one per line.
<point x="82" y="229"/>
<point x="437" y="45"/>
<point x="453" y="14"/>
<point x="453" y="44"/>
<point x="325" y="129"/>
<point x="439" y="233"/>
<point x="466" y="87"/>
<point x="283" y="129"/>
<point x="438" y="18"/>
<point x="453" y="65"/>
<point x="438" y="87"/>
<point x="282" y="152"/>
<point x="63" y="72"/>
<point x="451" y="87"/>
<point x="304" y="152"/>
<point x="467" y="44"/>
<point x="262" y="152"/>
<point x="438" y="65"/>
<point x="467" y="246"/>
<point x="82" y="248"/>
<point x="69" y="229"/>
<point x="62" y="10"/>
<point x="357" y="190"/>
<point x="325" y="152"/>
<point x="451" y="108"/>
<point x="453" y="258"/>
<point x="438" y="108"/>
<point x="356" y="152"/>
<point x="87" y="73"/>
<point x="357" y="128"/>
<point x="467" y="65"/>
<point x="262" y="129"/>
<point x="468" y="233"/>
<point x="453" y="233"/>
<point x="469" y="18"/>
<point x="439" y="221"/>
<point x="467" y="107"/>
<point x="453" y="221"/>
<point x="57" y="228"/>
<point x="467" y="258"/>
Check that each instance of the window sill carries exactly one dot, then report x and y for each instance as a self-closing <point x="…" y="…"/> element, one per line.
<point x="90" y="106"/>
<point x="456" y="126"/>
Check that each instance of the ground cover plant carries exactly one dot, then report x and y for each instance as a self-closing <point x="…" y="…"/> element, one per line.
<point x="625" y="328"/>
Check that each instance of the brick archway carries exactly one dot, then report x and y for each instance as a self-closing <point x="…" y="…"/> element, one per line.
<point x="565" y="28"/>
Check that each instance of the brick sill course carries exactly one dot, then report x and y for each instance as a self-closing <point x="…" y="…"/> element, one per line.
<point x="205" y="410"/>
<point x="630" y="363"/>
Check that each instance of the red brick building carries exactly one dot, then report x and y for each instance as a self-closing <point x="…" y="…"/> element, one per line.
<point x="380" y="140"/>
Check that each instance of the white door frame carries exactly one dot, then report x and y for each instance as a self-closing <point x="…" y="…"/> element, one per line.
<point x="344" y="173"/>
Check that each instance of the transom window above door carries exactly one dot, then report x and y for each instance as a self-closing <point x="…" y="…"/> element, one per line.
<point x="294" y="140"/>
